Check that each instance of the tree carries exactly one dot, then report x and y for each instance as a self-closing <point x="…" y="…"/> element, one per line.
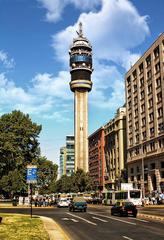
<point x="18" y="141"/>
<point x="78" y="182"/>
<point x="47" y="174"/>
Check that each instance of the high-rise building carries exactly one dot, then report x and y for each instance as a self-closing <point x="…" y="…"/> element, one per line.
<point x="62" y="168"/>
<point x="70" y="155"/>
<point x="115" y="149"/>
<point x="67" y="157"/>
<point x="81" y="69"/>
<point x="145" y="119"/>
<point x="97" y="158"/>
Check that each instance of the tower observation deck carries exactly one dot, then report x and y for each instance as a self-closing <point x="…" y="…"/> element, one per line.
<point x="81" y="69"/>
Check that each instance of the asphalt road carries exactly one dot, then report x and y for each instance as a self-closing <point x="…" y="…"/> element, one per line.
<point x="98" y="224"/>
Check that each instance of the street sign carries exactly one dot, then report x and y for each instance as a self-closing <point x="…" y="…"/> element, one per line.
<point x="31" y="174"/>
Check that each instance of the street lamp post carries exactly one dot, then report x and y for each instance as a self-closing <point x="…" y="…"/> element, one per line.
<point x="143" y="178"/>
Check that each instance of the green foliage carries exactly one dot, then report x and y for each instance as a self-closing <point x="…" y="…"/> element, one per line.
<point x="47" y="174"/>
<point x="78" y="182"/>
<point x="19" y="146"/>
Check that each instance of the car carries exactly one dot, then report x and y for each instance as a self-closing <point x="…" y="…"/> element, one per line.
<point x="63" y="203"/>
<point x="78" y="203"/>
<point x="124" y="209"/>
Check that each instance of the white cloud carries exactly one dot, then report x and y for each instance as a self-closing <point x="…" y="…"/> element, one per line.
<point x="46" y="94"/>
<point x="5" y="60"/>
<point x="113" y="32"/>
<point x="55" y="8"/>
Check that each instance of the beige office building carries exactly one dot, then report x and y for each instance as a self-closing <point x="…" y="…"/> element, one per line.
<point x="115" y="149"/>
<point x="145" y="119"/>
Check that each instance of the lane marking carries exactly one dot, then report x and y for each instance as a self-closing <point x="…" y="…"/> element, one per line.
<point x="82" y="219"/>
<point x="116" y="219"/>
<point x="140" y="220"/>
<point x="74" y="220"/>
<point x="127" y="238"/>
<point x="102" y="220"/>
<point x="65" y="219"/>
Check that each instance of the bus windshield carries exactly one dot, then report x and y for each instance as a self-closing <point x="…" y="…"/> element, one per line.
<point x="135" y="194"/>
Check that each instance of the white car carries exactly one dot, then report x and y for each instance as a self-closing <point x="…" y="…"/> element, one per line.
<point x="63" y="203"/>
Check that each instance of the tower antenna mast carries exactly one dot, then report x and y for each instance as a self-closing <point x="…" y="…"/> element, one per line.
<point x="80" y="29"/>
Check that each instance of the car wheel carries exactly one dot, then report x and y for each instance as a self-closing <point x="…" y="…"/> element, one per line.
<point x="85" y="210"/>
<point x="112" y="214"/>
<point x="135" y="215"/>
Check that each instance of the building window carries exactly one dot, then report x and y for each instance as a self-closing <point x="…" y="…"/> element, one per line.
<point x="152" y="166"/>
<point x="161" y="143"/>
<point x="129" y="104"/>
<point x="128" y="80"/>
<point x="152" y="131"/>
<point x="152" y="146"/>
<point x="138" y="169"/>
<point x="160" y="112"/>
<point x="151" y="116"/>
<point x="142" y="94"/>
<point x="144" y="148"/>
<point x="149" y="88"/>
<point x="136" y="125"/>
<point x="157" y="67"/>
<point x="149" y="74"/>
<point x="148" y="61"/>
<point x="130" y="116"/>
<point x="137" y="138"/>
<point x="159" y="97"/>
<point x="143" y="108"/>
<point x="156" y="52"/>
<point x="158" y="82"/>
<point x="138" y="177"/>
<point x="136" y="112"/>
<point x="142" y="82"/>
<point x="144" y="135"/>
<point x="162" y="174"/>
<point x="161" y="127"/>
<point x="135" y="87"/>
<point x="131" y="170"/>
<point x="135" y="100"/>
<point x="162" y="164"/>
<point x="150" y="102"/>
<point x="132" y="178"/>
<point x="141" y="67"/>
<point x="134" y="74"/>
<point x="143" y="121"/>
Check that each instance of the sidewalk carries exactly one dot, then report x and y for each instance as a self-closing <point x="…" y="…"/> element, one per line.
<point x="55" y="232"/>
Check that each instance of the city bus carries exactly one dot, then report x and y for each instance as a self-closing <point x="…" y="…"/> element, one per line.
<point x="131" y="195"/>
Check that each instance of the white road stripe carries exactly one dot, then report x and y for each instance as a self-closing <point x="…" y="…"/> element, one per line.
<point x="140" y="220"/>
<point x="74" y="220"/>
<point x="127" y="238"/>
<point x="65" y="219"/>
<point x="116" y="219"/>
<point x="102" y="220"/>
<point x="82" y="219"/>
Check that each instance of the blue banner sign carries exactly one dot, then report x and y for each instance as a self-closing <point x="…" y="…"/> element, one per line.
<point x="31" y="174"/>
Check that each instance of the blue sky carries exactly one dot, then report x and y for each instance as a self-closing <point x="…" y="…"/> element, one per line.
<point x="34" y="64"/>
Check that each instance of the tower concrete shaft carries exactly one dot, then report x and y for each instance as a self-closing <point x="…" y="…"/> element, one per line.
<point x="81" y="69"/>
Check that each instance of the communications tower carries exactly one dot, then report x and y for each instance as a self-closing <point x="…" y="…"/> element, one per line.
<point x="81" y="69"/>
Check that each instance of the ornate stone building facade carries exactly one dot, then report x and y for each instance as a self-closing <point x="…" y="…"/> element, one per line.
<point x="145" y="119"/>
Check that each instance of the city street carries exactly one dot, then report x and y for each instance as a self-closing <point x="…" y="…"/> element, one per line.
<point x="97" y="223"/>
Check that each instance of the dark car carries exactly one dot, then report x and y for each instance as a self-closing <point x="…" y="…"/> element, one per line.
<point x="78" y="203"/>
<point x="124" y="209"/>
